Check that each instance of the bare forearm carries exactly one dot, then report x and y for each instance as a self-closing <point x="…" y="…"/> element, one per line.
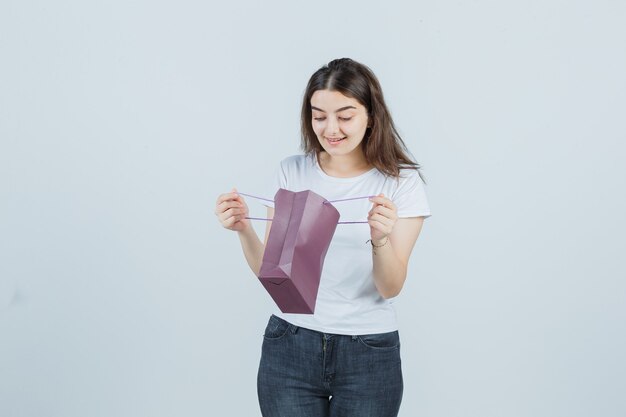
<point x="253" y="249"/>
<point x="389" y="271"/>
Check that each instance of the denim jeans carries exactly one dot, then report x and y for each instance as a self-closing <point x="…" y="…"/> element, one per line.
<point x="306" y="373"/>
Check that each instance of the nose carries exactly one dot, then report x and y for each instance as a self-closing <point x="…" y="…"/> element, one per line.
<point x="332" y="127"/>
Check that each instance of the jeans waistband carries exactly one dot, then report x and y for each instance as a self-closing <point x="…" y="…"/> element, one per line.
<point x="294" y="328"/>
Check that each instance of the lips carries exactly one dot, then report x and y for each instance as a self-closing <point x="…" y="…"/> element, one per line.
<point x="335" y="140"/>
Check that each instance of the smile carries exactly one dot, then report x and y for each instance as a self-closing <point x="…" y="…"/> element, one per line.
<point x="335" y="140"/>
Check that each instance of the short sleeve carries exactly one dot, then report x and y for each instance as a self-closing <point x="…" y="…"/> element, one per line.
<point x="278" y="180"/>
<point x="410" y="196"/>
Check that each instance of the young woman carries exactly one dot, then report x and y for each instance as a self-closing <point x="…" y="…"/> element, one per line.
<point x="344" y="360"/>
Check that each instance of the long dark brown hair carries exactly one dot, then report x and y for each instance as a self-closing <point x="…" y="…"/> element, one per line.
<point x="382" y="145"/>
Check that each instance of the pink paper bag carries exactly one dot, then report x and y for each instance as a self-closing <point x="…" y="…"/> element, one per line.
<point x="302" y="228"/>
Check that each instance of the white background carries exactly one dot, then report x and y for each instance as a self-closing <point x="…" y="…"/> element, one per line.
<point x="121" y="122"/>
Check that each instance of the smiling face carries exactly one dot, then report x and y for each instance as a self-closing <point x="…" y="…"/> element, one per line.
<point x="339" y="122"/>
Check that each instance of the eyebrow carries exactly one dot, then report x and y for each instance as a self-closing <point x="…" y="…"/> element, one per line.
<point x="336" y="111"/>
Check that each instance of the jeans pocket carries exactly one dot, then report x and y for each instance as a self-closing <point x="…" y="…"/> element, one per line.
<point x="276" y="328"/>
<point x="384" y="341"/>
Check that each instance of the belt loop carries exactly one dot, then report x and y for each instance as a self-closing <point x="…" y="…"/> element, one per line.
<point x="293" y="328"/>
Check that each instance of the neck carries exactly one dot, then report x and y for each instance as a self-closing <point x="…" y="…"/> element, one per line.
<point x="344" y="165"/>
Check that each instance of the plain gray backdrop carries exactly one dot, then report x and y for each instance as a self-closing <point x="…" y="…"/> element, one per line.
<point x="121" y="122"/>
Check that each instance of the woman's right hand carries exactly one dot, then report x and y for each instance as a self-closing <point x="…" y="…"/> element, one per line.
<point x="232" y="210"/>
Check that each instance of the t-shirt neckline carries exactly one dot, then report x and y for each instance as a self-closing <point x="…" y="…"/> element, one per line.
<point x="324" y="175"/>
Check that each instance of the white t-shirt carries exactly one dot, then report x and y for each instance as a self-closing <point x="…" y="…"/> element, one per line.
<point x="347" y="300"/>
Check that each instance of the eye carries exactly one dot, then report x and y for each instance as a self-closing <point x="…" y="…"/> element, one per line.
<point x="345" y="119"/>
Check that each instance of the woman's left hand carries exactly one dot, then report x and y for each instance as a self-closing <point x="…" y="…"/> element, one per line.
<point x="381" y="218"/>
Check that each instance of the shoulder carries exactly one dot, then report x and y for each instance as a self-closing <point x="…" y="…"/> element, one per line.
<point x="295" y="163"/>
<point x="410" y="194"/>
<point x="293" y="159"/>
<point x="409" y="182"/>
<point x="409" y="174"/>
<point x="408" y="178"/>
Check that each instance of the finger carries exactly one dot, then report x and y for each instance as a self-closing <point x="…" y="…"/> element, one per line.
<point x="225" y="205"/>
<point x="224" y="197"/>
<point x="239" y="197"/>
<point x="378" y="226"/>
<point x="379" y="197"/>
<point x="385" y="211"/>
<point x="227" y="196"/>
<point x="231" y="212"/>
<point x="388" y="223"/>
<point x="229" y="222"/>
<point x="382" y="219"/>
<point x="383" y="201"/>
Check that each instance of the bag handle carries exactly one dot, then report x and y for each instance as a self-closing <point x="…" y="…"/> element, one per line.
<point x="325" y="202"/>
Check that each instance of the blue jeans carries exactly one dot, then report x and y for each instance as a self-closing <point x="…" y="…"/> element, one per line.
<point x="306" y="373"/>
